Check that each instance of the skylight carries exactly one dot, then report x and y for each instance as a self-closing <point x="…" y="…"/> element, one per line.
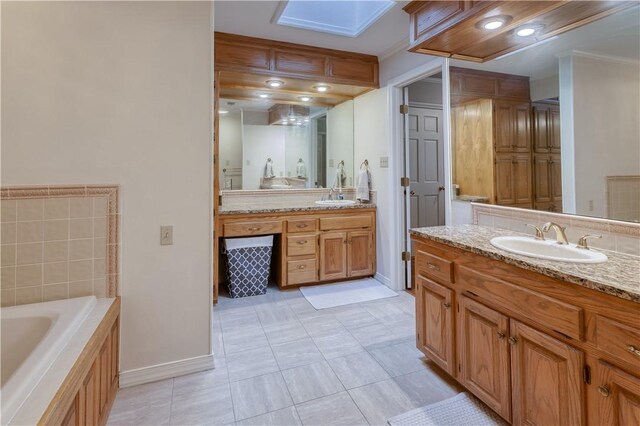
<point x="346" y="18"/>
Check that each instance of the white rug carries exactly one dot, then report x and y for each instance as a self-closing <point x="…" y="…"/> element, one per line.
<point x="462" y="409"/>
<point x="339" y="294"/>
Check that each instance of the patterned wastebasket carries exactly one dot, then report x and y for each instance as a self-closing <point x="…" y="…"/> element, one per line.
<point x="248" y="264"/>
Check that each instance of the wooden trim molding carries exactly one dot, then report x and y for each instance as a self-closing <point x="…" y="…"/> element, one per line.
<point x="110" y="192"/>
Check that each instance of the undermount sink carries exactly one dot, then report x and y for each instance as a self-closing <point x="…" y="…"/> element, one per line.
<point x="336" y="202"/>
<point x="548" y="250"/>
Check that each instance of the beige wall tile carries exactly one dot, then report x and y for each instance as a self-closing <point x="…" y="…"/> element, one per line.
<point x="29" y="275"/>
<point x="8" y="277"/>
<point x="7" y="297"/>
<point x="80" y="228"/>
<point x="56" y="251"/>
<point x="100" y="206"/>
<point x="100" y="227"/>
<point x="99" y="268"/>
<point x="100" y="287"/>
<point x="628" y="245"/>
<point x="30" y="232"/>
<point x="56" y="272"/>
<point x="56" y="230"/>
<point x="80" y="288"/>
<point x="81" y="207"/>
<point x="100" y="248"/>
<point x="30" y="209"/>
<point x="8" y="210"/>
<point x="8" y="232"/>
<point x="29" y="253"/>
<point x="8" y="255"/>
<point x="80" y="270"/>
<point x="56" y="208"/>
<point x="81" y="249"/>
<point x="28" y="295"/>
<point x="55" y="292"/>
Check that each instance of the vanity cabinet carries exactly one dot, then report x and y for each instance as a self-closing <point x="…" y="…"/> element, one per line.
<point x="346" y="255"/>
<point x="537" y="350"/>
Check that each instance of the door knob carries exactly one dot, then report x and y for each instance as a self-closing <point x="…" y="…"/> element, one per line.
<point x="441" y="188"/>
<point x="412" y="193"/>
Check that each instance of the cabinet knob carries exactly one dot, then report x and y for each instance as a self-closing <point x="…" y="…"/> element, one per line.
<point x="254" y="228"/>
<point x="302" y="266"/>
<point x="447" y="305"/>
<point x="301" y="225"/>
<point x="633" y="350"/>
<point x="501" y="335"/>
<point x="604" y="391"/>
<point x="302" y="242"/>
<point x="433" y="266"/>
<point x="513" y="340"/>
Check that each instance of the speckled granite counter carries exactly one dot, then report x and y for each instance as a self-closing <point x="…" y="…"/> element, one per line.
<point x="619" y="276"/>
<point x="290" y="207"/>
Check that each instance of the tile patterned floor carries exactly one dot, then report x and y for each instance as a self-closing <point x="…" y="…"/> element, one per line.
<point x="279" y="361"/>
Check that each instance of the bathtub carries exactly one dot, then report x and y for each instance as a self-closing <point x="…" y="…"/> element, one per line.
<point x="32" y="336"/>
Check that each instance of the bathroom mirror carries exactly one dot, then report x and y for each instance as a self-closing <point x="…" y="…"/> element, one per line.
<point x="583" y="124"/>
<point x="278" y="145"/>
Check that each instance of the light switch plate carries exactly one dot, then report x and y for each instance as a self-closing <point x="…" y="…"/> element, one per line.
<point x="384" y="162"/>
<point x="166" y="235"/>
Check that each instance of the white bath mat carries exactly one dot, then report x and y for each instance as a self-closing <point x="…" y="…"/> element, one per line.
<point x="462" y="409"/>
<point x="346" y="293"/>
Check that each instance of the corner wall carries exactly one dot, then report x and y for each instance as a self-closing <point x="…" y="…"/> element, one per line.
<point x="120" y="93"/>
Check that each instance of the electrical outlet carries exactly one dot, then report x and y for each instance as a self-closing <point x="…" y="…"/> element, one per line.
<point x="384" y="162"/>
<point x="166" y="235"/>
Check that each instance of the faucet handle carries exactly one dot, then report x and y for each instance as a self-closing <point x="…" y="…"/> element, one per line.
<point x="539" y="233"/>
<point x="582" y="242"/>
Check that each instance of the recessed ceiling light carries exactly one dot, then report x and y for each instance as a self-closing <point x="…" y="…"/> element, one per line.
<point x="321" y="87"/>
<point x="263" y="95"/>
<point x="275" y="83"/>
<point x="284" y="121"/>
<point x="223" y="111"/>
<point x="493" y="22"/>
<point x="292" y="119"/>
<point x="306" y="120"/>
<point x="304" y="98"/>
<point x="528" y="30"/>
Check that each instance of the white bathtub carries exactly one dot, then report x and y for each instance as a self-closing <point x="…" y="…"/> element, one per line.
<point x="32" y="337"/>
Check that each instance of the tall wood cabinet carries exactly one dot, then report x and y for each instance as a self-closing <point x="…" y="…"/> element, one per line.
<point x="547" y="161"/>
<point x="536" y="350"/>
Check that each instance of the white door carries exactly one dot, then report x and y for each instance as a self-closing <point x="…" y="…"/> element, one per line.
<point x="426" y="167"/>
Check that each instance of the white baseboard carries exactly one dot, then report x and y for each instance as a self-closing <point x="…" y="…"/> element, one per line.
<point x="157" y="372"/>
<point x="384" y="280"/>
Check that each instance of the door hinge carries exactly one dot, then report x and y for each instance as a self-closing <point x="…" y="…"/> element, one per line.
<point x="404" y="109"/>
<point x="460" y="367"/>
<point x="586" y="374"/>
<point x="405" y="181"/>
<point x="406" y="256"/>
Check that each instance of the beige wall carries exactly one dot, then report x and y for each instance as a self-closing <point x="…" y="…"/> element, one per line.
<point x="101" y="92"/>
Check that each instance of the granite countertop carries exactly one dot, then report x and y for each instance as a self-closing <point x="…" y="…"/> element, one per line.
<point x="280" y="207"/>
<point x="619" y="276"/>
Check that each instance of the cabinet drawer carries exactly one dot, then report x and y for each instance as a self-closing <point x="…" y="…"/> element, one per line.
<point x="552" y="313"/>
<point x="302" y="225"/>
<point x="302" y="271"/>
<point x="239" y="229"/>
<point x="618" y="340"/>
<point x="433" y="266"/>
<point x="346" y="222"/>
<point x="300" y="245"/>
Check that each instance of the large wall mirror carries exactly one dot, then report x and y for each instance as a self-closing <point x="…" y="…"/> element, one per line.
<point x="267" y="144"/>
<point x="570" y="142"/>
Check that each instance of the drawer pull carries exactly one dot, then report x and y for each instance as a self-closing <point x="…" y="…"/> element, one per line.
<point x="301" y="225"/>
<point x="501" y="335"/>
<point x="447" y="305"/>
<point x="513" y="340"/>
<point x="302" y="266"/>
<point x="303" y="242"/>
<point x="254" y="228"/>
<point x="604" y="391"/>
<point x="633" y="350"/>
<point x="433" y="266"/>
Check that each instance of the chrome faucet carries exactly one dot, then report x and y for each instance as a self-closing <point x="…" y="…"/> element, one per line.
<point x="330" y="194"/>
<point x="561" y="237"/>
<point x="582" y="242"/>
<point x="539" y="233"/>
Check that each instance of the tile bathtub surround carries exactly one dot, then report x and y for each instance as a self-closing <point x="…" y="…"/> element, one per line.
<point x="58" y="242"/>
<point x="622" y="237"/>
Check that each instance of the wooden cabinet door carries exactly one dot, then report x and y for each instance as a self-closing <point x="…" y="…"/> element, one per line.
<point x="554" y="129"/>
<point x="88" y="397"/>
<point x="104" y="388"/>
<point x="71" y="418"/>
<point x="504" y="179"/>
<point x="541" y="178"/>
<point x="522" y="188"/>
<point x="555" y="181"/>
<point x="618" y="397"/>
<point x="521" y="116"/>
<point x="333" y="255"/>
<point x="546" y="379"/>
<point x="503" y="123"/>
<point x="483" y="354"/>
<point x="434" y="322"/>
<point x="540" y="130"/>
<point x="360" y="253"/>
<point x="115" y="351"/>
